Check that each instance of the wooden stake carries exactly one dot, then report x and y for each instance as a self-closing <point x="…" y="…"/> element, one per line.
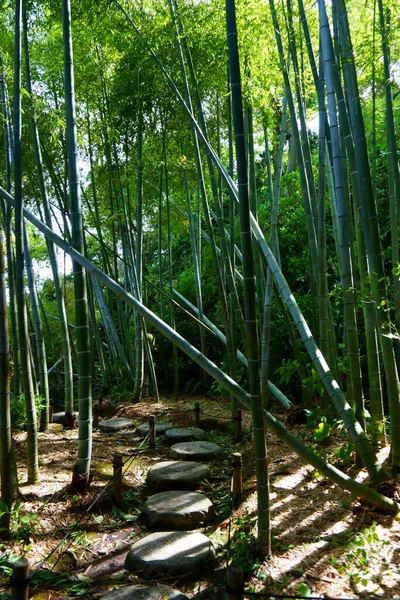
<point x="117" y="477"/>
<point x="20" y="580"/>
<point x="236" y="477"/>
<point x="197" y="414"/>
<point x="238" y="426"/>
<point x="234" y="587"/>
<point x="95" y="416"/>
<point x="51" y="410"/>
<point x="152" y="432"/>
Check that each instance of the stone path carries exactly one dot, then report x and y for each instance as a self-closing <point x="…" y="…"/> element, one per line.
<point x="175" y="552"/>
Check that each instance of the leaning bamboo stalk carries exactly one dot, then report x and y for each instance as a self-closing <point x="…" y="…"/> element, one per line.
<point x="231" y="386"/>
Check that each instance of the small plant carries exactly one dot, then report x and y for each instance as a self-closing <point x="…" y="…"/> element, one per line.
<point x="243" y="545"/>
<point x="18" y="411"/>
<point x="21" y="526"/>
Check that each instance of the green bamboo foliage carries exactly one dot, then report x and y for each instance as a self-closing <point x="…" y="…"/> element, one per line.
<point x="231" y="386"/>
<point x="331" y="385"/>
<point x="61" y="311"/>
<point x="82" y="467"/>
<point x="5" y="416"/>
<point x="33" y="460"/>
<point x="264" y="526"/>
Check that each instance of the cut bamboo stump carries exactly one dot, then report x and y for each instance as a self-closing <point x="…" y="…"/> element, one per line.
<point x="234" y="586"/>
<point x="152" y="432"/>
<point x="20" y="580"/>
<point x="236" y="478"/>
<point x="197" y="414"/>
<point x="117" y="477"/>
<point x="238" y="426"/>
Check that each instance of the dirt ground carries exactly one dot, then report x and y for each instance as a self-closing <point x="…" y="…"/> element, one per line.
<point x="324" y="541"/>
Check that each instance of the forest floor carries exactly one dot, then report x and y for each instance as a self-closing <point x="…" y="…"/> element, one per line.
<point x="324" y="541"/>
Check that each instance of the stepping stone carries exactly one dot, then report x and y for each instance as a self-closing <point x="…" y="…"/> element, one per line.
<point x="195" y="451"/>
<point x="188" y="434"/>
<point x="174" y="553"/>
<point x="143" y="592"/>
<point x="177" y="510"/>
<point x="59" y="417"/>
<point x="114" y="425"/>
<point x="161" y="428"/>
<point x="173" y="475"/>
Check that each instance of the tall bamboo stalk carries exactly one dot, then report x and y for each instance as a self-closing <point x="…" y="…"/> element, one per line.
<point x="82" y="467"/>
<point x="5" y="414"/>
<point x="39" y="336"/>
<point x="33" y="459"/>
<point x="264" y="526"/>
<point x="61" y="310"/>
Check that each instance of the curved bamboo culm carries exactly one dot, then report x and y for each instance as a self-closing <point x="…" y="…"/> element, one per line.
<point x="5" y="411"/>
<point x="32" y="439"/>
<point x="231" y="386"/>
<point x="82" y="467"/>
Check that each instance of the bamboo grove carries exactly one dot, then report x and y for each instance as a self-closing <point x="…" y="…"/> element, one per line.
<point x="167" y="148"/>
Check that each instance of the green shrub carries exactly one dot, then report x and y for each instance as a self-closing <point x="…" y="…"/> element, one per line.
<point x="18" y="411"/>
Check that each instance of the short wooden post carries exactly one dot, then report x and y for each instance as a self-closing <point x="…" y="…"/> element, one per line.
<point x="238" y="426"/>
<point x="117" y="477"/>
<point x="236" y="477"/>
<point x="197" y="414"/>
<point x="95" y="416"/>
<point x="152" y="432"/>
<point x="234" y="586"/>
<point x="20" y="580"/>
<point x="51" y="410"/>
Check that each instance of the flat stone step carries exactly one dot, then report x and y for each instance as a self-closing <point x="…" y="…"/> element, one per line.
<point x="195" y="451"/>
<point x="175" y="553"/>
<point x="184" y="434"/>
<point x="177" y="510"/>
<point x="161" y="428"/>
<point x="114" y="425"/>
<point x="143" y="592"/>
<point x="174" y="475"/>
